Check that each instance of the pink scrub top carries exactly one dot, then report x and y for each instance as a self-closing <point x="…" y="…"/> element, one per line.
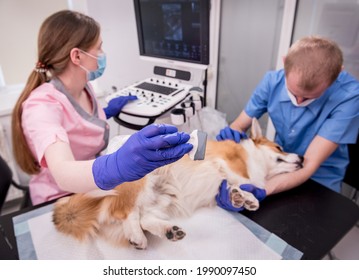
<point x="51" y="113"/>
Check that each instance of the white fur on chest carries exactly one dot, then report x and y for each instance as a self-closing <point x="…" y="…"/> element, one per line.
<point x="256" y="164"/>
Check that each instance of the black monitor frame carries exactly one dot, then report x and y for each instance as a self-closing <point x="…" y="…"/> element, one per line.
<point x="200" y="57"/>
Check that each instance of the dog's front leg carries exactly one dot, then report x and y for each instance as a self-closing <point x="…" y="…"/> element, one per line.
<point x="240" y="198"/>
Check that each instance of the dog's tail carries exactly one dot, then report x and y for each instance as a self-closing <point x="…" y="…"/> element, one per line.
<point x="77" y="218"/>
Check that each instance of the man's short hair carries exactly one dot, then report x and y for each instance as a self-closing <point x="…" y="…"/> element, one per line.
<point x="316" y="60"/>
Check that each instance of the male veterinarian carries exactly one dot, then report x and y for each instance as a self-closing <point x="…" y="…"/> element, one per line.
<point x="314" y="106"/>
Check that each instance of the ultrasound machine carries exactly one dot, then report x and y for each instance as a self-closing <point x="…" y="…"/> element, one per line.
<point x="168" y="31"/>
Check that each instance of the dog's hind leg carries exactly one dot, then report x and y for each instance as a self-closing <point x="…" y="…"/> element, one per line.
<point x="133" y="231"/>
<point x="161" y="228"/>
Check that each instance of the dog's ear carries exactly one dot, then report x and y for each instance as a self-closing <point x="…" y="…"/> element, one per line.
<point x="256" y="131"/>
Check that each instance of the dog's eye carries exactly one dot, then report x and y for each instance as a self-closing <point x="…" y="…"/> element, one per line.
<point x="280" y="160"/>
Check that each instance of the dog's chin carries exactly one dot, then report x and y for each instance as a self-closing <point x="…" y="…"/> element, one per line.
<point x="287" y="168"/>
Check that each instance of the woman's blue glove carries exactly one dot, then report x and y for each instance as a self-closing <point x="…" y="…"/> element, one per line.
<point x="223" y="199"/>
<point x="228" y="133"/>
<point x="146" y="150"/>
<point x="115" y="105"/>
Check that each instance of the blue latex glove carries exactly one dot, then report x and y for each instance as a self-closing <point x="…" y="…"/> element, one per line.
<point x="228" y="133"/>
<point x="150" y="148"/>
<point x="115" y="105"/>
<point x="224" y="202"/>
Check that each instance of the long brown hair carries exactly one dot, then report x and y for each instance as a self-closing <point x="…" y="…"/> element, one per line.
<point x="58" y="35"/>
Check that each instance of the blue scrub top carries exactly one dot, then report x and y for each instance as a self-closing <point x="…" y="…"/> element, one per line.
<point x="334" y="116"/>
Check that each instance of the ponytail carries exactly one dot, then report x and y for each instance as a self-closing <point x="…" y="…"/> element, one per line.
<point x="21" y="149"/>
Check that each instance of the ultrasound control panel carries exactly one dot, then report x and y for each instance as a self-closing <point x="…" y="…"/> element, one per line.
<point x="155" y="96"/>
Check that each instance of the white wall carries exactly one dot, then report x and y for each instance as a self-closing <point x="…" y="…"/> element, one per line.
<point x="250" y="32"/>
<point x="335" y="19"/>
<point x="20" y="21"/>
<point x="118" y="29"/>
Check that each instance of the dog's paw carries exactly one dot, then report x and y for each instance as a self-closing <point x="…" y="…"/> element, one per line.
<point x="236" y="197"/>
<point x="240" y="198"/>
<point x="139" y="244"/>
<point x="251" y="204"/>
<point x="175" y="233"/>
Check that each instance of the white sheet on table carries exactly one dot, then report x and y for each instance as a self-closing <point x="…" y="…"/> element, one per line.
<point x="210" y="234"/>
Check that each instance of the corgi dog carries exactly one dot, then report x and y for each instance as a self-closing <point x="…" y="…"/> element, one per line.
<point x="127" y="212"/>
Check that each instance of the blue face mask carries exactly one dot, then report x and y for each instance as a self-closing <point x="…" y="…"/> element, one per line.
<point x="101" y="66"/>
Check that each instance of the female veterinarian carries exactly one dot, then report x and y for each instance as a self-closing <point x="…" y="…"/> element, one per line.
<point x="59" y="129"/>
<point x="314" y="106"/>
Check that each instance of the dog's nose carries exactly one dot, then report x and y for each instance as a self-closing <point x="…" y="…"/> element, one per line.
<point x="300" y="162"/>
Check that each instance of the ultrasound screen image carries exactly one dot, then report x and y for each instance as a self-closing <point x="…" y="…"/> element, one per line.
<point x="172" y="22"/>
<point x="176" y="30"/>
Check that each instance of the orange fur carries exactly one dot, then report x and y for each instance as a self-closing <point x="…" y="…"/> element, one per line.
<point x="233" y="154"/>
<point x="77" y="215"/>
<point x="128" y="191"/>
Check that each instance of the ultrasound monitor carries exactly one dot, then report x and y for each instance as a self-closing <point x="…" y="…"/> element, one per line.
<point x="175" y="30"/>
